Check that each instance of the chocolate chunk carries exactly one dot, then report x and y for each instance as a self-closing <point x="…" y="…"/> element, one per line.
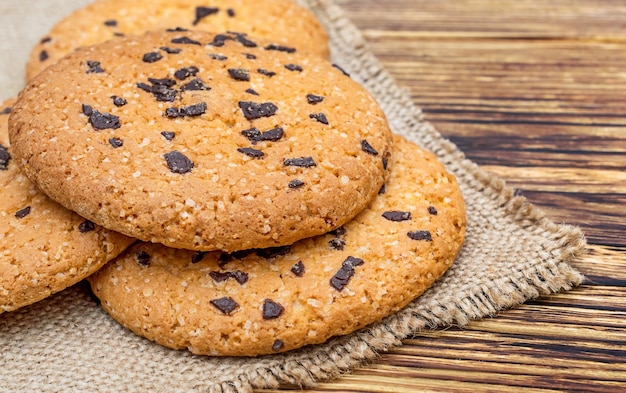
<point x="231" y="12"/>
<point x="104" y="121"/>
<point x="177" y="30"/>
<point x="152" y="57"/>
<point x="219" y="277"/>
<point x="303" y="162"/>
<point x="243" y="40"/>
<point x="5" y="157"/>
<point x="226" y="305"/>
<point x="110" y="23"/>
<point x="432" y="210"/>
<point x="278" y="345"/>
<point x="219" y="57"/>
<point x="341" y="69"/>
<point x="385" y="163"/>
<point x="167" y="82"/>
<point x="239" y="74"/>
<point x="366" y="147"/>
<point x="239" y="276"/>
<point x="43" y="56"/>
<point x="224" y="259"/>
<point x="250" y="56"/>
<point x="397" y="216"/>
<point x="87" y="110"/>
<point x="186" y="72"/>
<point x="94" y="67"/>
<point x="241" y="254"/>
<point x="172" y="113"/>
<point x="143" y="258"/>
<point x="266" y="72"/>
<point x="272" y="310"/>
<point x="119" y="101"/>
<point x="250" y="152"/>
<point x="383" y="190"/>
<point x="255" y="136"/>
<point x="195" y="84"/>
<point x="116" y="142"/>
<point x="171" y="51"/>
<point x="341" y="231"/>
<point x="253" y="110"/>
<point x="161" y="92"/>
<point x="198" y="257"/>
<point x="168" y="135"/>
<point x="295" y="184"/>
<point x="86" y="226"/>
<point x="293" y="67"/>
<point x="280" y="48"/>
<point x="320" y="117"/>
<point x="420" y="235"/>
<point x="185" y="40"/>
<point x="203" y="12"/>
<point x="313" y="99"/>
<point x="345" y="273"/>
<point x="220" y="39"/>
<point x="22" y="212"/>
<point x="252" y="91"/>
<point x="298" y="269"/>
<point x="178" y="162"/>
<point x="273" y="252"/>
<point x="5" y="111"/>
<point x="194" y="110"/>
<point x="337" y="244"/>
<point x="45" y="40"/>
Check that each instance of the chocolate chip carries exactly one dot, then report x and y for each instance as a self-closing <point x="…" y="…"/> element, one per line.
<point x="171" y="51"/>
<point x="313" y="99"/>
<point x="168" y="135"/>
<point x="177" y="29"/>
<point x="94" y="67"/>
<point x="252" y="91"/>
<point x="243" y="40"/>
<point x="198" y="257"/>
<point x="341" y="231"/>
<point x="241" y="254"/>
<point x="22" y="212"/>
<point x="172" y="113"/>
<point x="119" y="101"/>
<point x="293" y="67"/>
<point x="383" y="190"/>
<point x="220" y="39"/>
<point x="239" y="74"/>
<point x="250" y="56"/>
<point x="432" y="210"/>
<point x="272" y="310"/>
<point x="341" y="69"/>
<point x="303" y="162"/>
<point x="5" y="111"/>
<point x="219" y="57"/>
<point x="110" y="23"/>
<point x="231" y="12"/>
<point x="43" y="56"/>
<point x="266" y="72"/>
<point x="420" y="235"/>
<point x="298" y="269"/>
<point x="87" y="110"/>
<point x="203" y="12"/>
<point x="86" y="226"/>
<point x="345" y="273"/>
<point x="116" y="142"/>
<point x="194" y="110"/>
<point x="195" y="84"/>
<point x="178" y="162"/>
<point x="5" y="157"/>
<point x="185" y="40"/>
<point x="280" y="48"/>
<point x="273" y="252"/>
<point x="385" y="163"/>
<point x="224" y="259"/>
<point x="226" y="305"/>
<point x="166" y="82"/>
<point x="143" y="258"/>
<point x="161" y="92"/>
<point x="255" y="136"/>
<point x="186" y="72"/>
<point x="250" y="152"/>
<point x="366" y="147"/>
<point x="104" y="121"/>
<point x="253" y="110"/>
<point x="45" y="40"/>
<point x="337" y="244"/>
<point x="295" y="184"/>
<point x="397" y="216"/>
<point x="239" y="276"/>
<point x="152" y="57"/>
<point x="320" y="117"/>
<point x="278" y="345"/>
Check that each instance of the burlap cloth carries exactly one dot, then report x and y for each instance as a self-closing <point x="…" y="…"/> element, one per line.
<point x="512" y="253"/>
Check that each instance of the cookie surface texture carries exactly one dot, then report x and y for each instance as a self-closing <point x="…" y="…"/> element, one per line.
<point x="227" y="146"/>
<point x="283" y="22"/>
<point x="275" y="300"/>
<point x="45" y="247"/>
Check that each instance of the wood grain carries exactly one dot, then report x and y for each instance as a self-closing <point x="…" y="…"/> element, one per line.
<point x="534" y="92"/>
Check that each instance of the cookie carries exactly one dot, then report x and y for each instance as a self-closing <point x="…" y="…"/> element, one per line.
<point x="45" y="248"/>
<point x="283" y="22"/>
<point x="273" y="300"/>
<point x="202" y="141"/>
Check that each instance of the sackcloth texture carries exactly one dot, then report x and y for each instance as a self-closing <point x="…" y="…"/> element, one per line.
<point x="512" y="253"/>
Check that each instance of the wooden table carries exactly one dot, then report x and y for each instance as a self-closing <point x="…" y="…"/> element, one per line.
<point x="534" y="91"/>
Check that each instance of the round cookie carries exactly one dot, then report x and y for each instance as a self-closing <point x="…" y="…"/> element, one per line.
<point x="233" y="145"/>
<point x="273" y="300"/>
<point x="45" y="248"/>
<point x="281" y="21"/>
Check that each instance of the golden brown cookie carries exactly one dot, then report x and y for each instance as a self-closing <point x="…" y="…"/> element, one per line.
<point x="274" y="300"/>
<point x="44" y="247"/>
<point x="202" y="141"/>
<point x="283" y="22"/>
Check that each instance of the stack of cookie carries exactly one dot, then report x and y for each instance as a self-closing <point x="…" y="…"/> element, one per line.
<point x="224" y="187"/>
